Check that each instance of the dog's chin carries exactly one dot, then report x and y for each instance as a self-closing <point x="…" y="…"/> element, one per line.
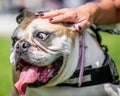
<point x="43" y="73"/>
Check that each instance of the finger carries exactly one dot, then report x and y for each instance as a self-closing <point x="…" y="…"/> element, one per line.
<point x="63" y="18"/>
<point x="77" y="26"/>
<point x="53" y="13"/>
<point x="60" y="18"/>
<point x="82" y="25"/>
<point x="49" y="14"/>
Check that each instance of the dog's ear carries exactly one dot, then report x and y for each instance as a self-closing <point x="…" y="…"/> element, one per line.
<point x="24" y="14"/>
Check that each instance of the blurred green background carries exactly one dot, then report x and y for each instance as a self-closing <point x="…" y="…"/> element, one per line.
<point x="5" y="66"/>
<point x="112" y="41"/>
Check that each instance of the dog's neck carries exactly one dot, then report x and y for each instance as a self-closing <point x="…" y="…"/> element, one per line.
<point x="71" y="61"/>
<point x="94" y="57"/>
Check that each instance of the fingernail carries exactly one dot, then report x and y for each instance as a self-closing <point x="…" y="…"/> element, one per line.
<point x="41" y="14"/>
<point x="79" y="28"/>
<point x="51" y="19"/>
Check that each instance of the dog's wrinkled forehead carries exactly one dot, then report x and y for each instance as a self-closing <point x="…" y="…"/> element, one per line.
<point x="29" y="24"/>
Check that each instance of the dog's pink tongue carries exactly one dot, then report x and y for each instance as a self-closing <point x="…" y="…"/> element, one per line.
<point x="28" y="75"/>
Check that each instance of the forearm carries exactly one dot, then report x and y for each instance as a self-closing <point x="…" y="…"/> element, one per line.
<point x="105" y="11"/>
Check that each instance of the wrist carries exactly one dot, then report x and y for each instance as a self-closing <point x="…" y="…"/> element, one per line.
<point x="94" y="11"/>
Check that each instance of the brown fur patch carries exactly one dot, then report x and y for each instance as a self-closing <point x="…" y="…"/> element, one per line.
<point x="59" y="28"/>
<point x="26" y="21"/>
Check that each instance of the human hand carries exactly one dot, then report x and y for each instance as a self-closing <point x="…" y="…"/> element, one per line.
<point x="81" y="17"/>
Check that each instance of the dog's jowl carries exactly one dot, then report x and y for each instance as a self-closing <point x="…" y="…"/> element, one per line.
<point x="46" y="61"/>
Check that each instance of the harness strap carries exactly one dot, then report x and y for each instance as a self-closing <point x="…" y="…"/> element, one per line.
<point x="101" y="75"/>
<point x="110" y="31"/>
<point x="81" y="61"/>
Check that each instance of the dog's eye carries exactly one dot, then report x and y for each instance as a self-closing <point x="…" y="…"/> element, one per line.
<point x="42" y="36"/>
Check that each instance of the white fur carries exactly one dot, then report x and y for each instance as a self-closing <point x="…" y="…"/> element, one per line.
<point x="98" y="90"/>
<point x="69" y="65"/>
<point x="94" y="55"/>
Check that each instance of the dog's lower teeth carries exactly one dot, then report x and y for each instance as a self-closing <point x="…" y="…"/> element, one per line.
<point x="48" y="70"/>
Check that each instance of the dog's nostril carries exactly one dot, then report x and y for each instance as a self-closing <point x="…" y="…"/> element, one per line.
<point x="25" y="45"/>
<point x="22" y="46"/>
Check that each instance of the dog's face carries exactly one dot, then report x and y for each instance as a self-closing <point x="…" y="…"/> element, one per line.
<point x="43" y="53"/>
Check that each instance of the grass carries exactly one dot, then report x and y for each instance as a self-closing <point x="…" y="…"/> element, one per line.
<point x="112" y="41"/>
<point x="5" y="67"/>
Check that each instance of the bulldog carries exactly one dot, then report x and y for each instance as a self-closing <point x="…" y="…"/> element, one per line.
<point x="45" y="56"/>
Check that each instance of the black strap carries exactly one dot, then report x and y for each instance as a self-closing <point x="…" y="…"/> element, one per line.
<point x="96" y="31"/>
<point x="105" y="74"/>
<point x="98" y="76"/>
<point x="110" y="31"/>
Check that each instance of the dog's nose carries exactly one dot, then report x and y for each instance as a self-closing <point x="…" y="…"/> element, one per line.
<point x="22" y="46"/>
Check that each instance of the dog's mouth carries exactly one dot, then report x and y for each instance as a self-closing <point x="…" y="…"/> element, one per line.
<point x="36" y="76"/>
